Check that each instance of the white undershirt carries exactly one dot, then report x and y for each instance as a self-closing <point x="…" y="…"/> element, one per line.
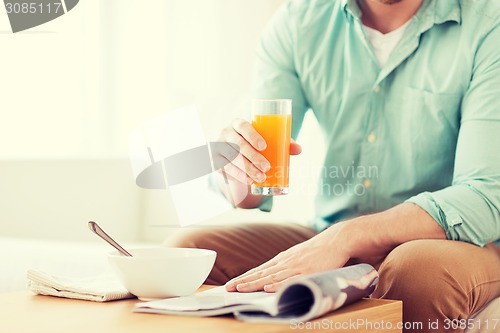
<point x="384" y="44"/>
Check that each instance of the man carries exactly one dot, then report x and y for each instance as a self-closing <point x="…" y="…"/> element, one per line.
<point x="411" y="87"/>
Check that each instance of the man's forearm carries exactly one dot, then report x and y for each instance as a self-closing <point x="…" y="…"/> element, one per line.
<point x="377" y="234"/>
<point x="369" y="236"/>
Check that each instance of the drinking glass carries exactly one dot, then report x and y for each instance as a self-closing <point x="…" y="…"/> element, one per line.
<point x="272" y="118"/>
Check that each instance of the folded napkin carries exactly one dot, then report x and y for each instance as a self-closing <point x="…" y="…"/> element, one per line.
<point x="99" y="289"/>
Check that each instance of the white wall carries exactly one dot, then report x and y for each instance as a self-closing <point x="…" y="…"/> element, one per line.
<point x="74" y="88"/>
<point x="56" y="198"/>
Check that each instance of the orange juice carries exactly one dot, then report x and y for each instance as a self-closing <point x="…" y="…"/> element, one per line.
<point x="275" y="129"/>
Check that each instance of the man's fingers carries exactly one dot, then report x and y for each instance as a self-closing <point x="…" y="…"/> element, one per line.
<point x="249" y="169"/>
<point x="266" y="279"/>
<point x="246" y="149"/>
<point x="246" y="130"/>
<point x="256" y="274"/>
<point x="250" y="275"/>
<point x="229" y="161"/>
<point x="233" y="172"/>
<point x="267" y="264"/>
<point x="231" y="284"/>
<point x="244" y="278"/>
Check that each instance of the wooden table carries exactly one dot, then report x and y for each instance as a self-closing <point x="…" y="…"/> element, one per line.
<point x="24" y="312"/>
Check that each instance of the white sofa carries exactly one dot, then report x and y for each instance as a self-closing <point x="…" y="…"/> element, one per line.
<point x="486" y="320"/>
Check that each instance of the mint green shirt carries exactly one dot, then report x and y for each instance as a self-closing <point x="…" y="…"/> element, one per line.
<point x="425" y="128"/>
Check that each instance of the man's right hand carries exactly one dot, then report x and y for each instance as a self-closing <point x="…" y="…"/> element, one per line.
<point x="243" y="161"/>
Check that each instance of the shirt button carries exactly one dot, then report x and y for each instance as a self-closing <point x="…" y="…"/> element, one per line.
<point x="376" y="89"/>
<point x="372" y="138"/>
<point x="367" y="183"/>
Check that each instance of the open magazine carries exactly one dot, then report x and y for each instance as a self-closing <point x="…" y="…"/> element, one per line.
<point x="302" y="299"/>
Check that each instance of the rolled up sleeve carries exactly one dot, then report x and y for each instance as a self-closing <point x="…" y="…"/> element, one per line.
<point x="469" y="209"/>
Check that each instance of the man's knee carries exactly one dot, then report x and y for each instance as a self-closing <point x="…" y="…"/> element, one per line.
<point x="418" y="266"/>
<point x="409" y="258"/>
<point x="426" y="281"/>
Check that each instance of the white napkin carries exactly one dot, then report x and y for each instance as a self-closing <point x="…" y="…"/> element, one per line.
<point x="99" y="289"/>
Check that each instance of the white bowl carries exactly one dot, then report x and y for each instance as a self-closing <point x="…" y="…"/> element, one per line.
<point x="153" y="273"/>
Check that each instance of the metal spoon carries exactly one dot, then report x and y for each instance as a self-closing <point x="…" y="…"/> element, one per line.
<point x="99" y="232"/>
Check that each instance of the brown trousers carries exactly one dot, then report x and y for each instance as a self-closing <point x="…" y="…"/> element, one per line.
<point x="437" y="280"/>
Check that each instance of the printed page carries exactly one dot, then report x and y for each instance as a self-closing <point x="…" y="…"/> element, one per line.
<point x="345" y="285"/>
<point x="312" y="296"/>
<point x="302" y="299"/>
<point x="214" y="299"/>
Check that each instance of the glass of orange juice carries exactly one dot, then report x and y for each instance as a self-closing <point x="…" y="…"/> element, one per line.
<point x="272" y="118"/>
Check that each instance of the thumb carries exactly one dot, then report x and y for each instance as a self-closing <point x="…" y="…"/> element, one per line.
<point x="295" y="148"/>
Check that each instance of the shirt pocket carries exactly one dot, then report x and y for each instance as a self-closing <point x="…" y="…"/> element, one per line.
<point x="428" y="131"/>
<point x="441" y="107"/>
<point x="434" y="121"/>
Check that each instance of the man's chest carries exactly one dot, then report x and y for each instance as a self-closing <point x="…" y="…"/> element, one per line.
<point x="340" y="73"/>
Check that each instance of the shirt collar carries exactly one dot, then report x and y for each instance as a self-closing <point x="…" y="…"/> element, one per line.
<point x="351" y="7"/>
<point x="445" y="11"/>
<point x="438" y="11"/>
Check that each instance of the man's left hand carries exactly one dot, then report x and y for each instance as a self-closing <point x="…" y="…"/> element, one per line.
<point x="321" y="253"/>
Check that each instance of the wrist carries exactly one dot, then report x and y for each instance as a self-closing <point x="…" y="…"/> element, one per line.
<point x="339" y="240"/>
<point x="237" y="193"/>
<point x="362" y="237"/>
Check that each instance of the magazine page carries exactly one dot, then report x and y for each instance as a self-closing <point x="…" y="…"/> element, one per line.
<point x="312" y="296"/>
<point x="303" y="298"/>
<point x="215" y="301"/>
